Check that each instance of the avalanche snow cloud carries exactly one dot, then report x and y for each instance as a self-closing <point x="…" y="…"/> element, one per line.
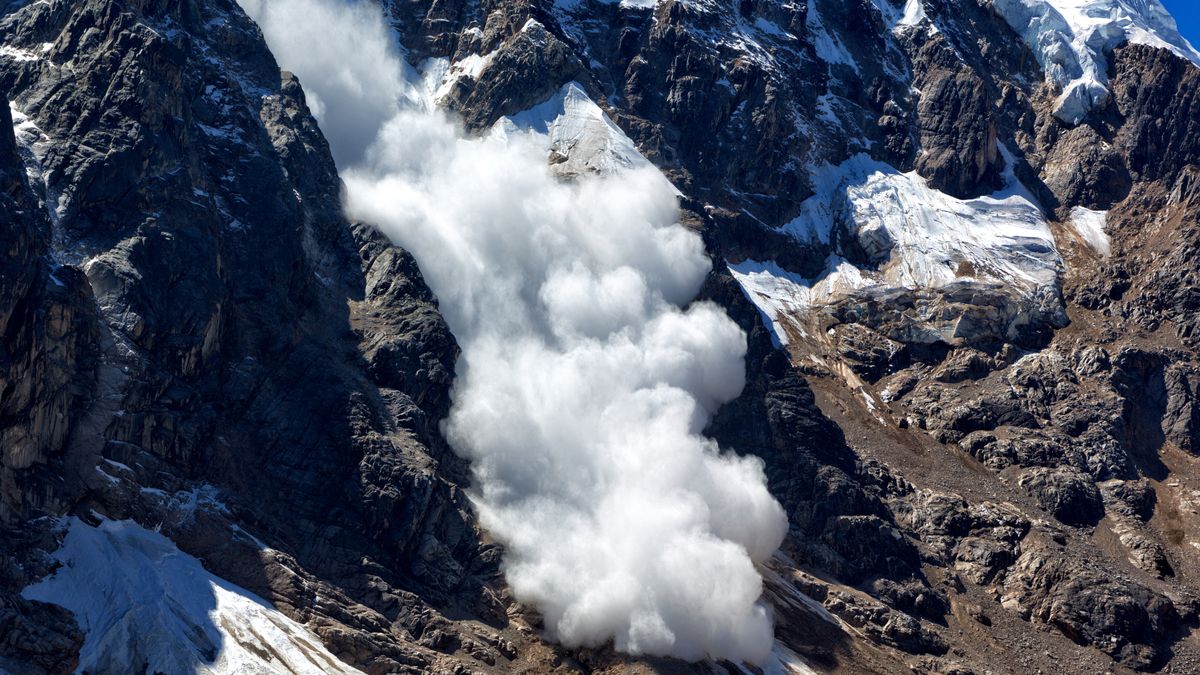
<point x="583" y="386"/>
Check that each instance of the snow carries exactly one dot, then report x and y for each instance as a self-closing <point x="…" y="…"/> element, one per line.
<point x="1072" y="39"/>
<point x="18" y="54"/>
<point x="771" y="28"/>
<point x="576" y="128"/>
<point x="32" y="145"/>
<point x="782" y="661"/>
<point x="571" y="124"/>
<point x="574" y="5"/>
<point x="917" y="238"/>
<point x="1091" y="227"/>
<point x="786" y="662"/>
<point x="439" y="75"/>
<point x="914" y="13"/>
<point x="780" y="295"/>
<point x="829" y="48"/>
<point x="924" y="238"/>
<point x="911" y="14"/>
<point x="145" y="606"/>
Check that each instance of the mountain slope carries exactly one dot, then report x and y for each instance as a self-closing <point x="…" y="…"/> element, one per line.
<point x="959" y="236"/>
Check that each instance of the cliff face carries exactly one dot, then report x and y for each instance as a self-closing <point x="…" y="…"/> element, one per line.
<point x="966" y="273"/>
<point x="187" y="312"/>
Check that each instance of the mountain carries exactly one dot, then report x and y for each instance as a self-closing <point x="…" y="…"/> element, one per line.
<point x="397" y="359"/>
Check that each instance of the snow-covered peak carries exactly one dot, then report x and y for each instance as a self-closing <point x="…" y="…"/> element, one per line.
<point x="578" y="132"/>
<point x="1072" y="40"/>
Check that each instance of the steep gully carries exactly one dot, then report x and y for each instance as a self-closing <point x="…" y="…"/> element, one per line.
<point x="583" y="386"/>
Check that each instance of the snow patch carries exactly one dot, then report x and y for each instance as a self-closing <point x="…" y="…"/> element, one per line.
<point x="1091" y="226"/>
<point x="780" y="295"/>
<point x="439" y="75"/>
<point x="829" y="48"/>
<point x="18" y="54"/>
<point x="783" y="661"/>
<point x="575" y="5"/>
<point x="146" y="606"/>
<point x="32" y="145"/>
<point x="1072" y="39"/>
<point x="914" y="13"/>
<point x="911" y="14"/>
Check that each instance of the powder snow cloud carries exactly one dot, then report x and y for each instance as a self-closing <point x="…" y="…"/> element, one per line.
<point x="586" y="377"/>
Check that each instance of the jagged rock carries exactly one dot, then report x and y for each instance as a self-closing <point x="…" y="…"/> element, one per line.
<point x="1117" y="615"/>
<point x="884" y="625"/>
<point x="230" y="328"/>
<point x="223" y="289"/>
<point x="48" y="357"/>
<point x="1149" y="85"/>
<point x="965" y="364"/>
<point x="38" y="638"/>
<point x="1069" y="496"/>
<point x="1085" y="169"/>
<point x="1132" y="498"/>
<point x="870" y="354"/>
<point x="525" y="70"/>
<point x="955" y="124"/>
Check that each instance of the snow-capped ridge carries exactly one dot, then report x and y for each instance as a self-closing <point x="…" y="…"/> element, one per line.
<point x="1073" y="38"/>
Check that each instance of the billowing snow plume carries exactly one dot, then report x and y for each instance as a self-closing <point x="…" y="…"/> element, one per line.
<point x="1071" y="40"/>
<point x="583" y="386"/>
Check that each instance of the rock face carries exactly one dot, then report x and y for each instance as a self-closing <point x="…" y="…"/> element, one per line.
<point x="983" y="427"/>
<point x="188" y="313"/>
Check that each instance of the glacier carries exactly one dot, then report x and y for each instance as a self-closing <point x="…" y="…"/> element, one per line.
<point x="914" y="236"/>
<point x="1073" y="38"/>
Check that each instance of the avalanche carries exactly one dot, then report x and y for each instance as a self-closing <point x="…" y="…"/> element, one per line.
<point x="587" y="374"/>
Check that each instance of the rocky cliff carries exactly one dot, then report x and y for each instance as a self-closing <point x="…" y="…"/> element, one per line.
<point x="965" y="264"/>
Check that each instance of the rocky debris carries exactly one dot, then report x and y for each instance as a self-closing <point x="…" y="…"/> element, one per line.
<point x="38" y="637"/>
<point x="1090" y="606"/>
<point x="883" y="625"/>
<point x="1133" y="498"/>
